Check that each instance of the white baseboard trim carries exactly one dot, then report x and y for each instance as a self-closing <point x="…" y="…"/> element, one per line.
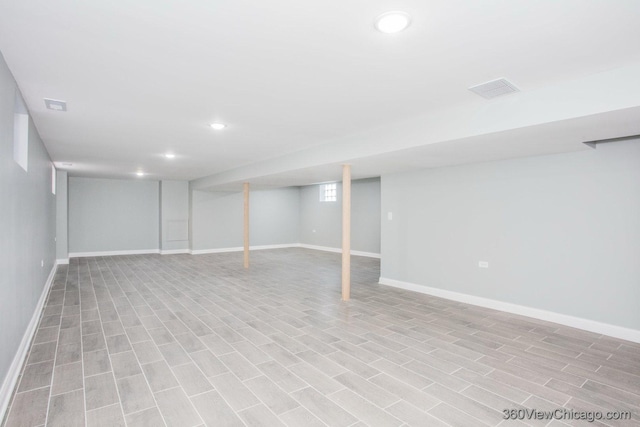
<point x="241" y="248"/>
<point x="536" y="313"/>
<point x="112" y="253"/>
<point x="11" y="380"/>
<point x="174" y="251"/>
<point x="339" y="250"/>
<point x="62" y="261"/>
<point x="214" y="251"/>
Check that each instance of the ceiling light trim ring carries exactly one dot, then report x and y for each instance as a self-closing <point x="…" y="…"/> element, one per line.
<point x="392" y="22"/>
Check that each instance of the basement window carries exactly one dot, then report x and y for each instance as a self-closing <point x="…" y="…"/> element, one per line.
<point x="20" y="132"/>
<point x="53" y="179"/>
<point x="328" y="192"/>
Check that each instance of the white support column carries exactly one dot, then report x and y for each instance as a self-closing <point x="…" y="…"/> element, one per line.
<point x="346" y="232"/>
<point x="246" y="224"/>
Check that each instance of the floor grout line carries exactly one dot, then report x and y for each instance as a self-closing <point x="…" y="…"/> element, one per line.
<point x="55" y="357"/>
<point x="191" y="361"/>
<point x="141" y="371"/>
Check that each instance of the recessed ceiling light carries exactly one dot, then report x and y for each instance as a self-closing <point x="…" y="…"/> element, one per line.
<point x="218" y="126"/>
<point x="170" y="156"/>
<point x="393" y="22"/>
<point x="140" y="173"/>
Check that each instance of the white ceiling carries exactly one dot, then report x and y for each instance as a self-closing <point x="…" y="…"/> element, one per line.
<point x="306" y="85"/>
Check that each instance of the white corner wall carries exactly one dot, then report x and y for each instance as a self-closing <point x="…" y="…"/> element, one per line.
<point x="561" y="233"/>
<point x="174" y="217"/>
<point x="62" y="217"/>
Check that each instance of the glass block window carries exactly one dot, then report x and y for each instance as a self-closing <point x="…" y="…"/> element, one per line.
<point x="328" y="192"/>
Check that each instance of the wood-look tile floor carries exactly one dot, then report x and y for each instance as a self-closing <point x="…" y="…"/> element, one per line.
<point x="186" y="340"/>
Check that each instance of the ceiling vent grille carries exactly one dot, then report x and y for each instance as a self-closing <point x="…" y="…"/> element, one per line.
<point x="494" y="88"/>
<point x="55" y="104"/>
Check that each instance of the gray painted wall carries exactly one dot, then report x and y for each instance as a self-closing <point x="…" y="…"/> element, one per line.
<point x="275" y="216"/>
<point x="217" y="218"/>
<point x="174" y="215"/>
<point x="560" y="233"/>
<point x="113" y="215"/>
<point x="62" y="205"/>
<point x="326" y="217"/>
<point x="27" y="227"/>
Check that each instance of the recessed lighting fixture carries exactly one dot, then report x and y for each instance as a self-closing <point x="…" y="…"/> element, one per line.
<point x="170" y="156"/>
<point x="55" y="104"/>
<point x="393" y="22"/>
<point x="218" y="126"/>
<point x="140" y="173"/>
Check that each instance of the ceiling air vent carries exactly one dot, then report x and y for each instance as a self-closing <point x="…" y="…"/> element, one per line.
<point x="55" y="104"/>
<point x="498" y="87"/>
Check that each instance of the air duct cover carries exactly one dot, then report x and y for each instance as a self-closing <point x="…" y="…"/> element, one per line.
<point x="55" y="104"/>
<point x="494" y="88"/>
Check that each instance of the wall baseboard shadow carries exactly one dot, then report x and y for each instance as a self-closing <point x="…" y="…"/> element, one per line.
<point x="174" y="251"/>
<point x="536" y="313"/>
<point x="286" y="245"/>
<point x="13" y="374"/>
<point x="339" y="250"/>
<point x="113" y="253"/>
<point x="241" y="248"/>
<point x="213" y="251"/>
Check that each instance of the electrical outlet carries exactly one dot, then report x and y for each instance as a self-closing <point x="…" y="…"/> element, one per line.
<point x="390" y="216"/>
<point x="483" y="264"/>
